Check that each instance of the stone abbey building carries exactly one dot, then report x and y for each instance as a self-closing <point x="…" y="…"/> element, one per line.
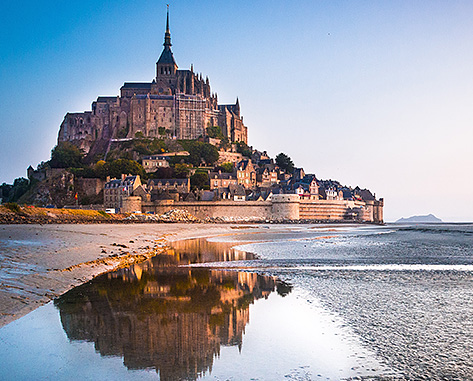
<point x="177" y="104"/>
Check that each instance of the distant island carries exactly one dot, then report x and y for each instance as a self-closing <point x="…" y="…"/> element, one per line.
<point x="430" y="218"/>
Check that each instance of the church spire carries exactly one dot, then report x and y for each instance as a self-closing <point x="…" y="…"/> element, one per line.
<point x="166" y="64"/>
<point x="167" y="34"/>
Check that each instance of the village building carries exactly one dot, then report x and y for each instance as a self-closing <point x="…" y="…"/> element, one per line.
<point x="116" y="189"/>
<point x="158" y="186"/>
<point x="221" y="179"/>
<point x="267" y="176"/>
<point x="153" y="163"/>
<point x="234" y="192"/>
<point x="246" y="174"/>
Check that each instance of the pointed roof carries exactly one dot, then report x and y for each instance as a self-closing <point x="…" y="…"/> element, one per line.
<point x="166" y="56"/>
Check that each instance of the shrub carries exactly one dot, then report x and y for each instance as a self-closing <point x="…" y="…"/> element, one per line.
<point x="13" y="206"/>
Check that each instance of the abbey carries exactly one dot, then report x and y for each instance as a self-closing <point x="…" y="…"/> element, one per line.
<point x="177" y="104"/>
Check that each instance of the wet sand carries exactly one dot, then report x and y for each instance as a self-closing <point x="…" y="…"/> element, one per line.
<point x="40" y="262"/>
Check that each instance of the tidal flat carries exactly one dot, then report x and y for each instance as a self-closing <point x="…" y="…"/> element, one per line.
<point x="252" y="302"/>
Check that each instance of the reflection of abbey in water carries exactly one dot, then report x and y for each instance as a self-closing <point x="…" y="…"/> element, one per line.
<point x="173" y="319"/>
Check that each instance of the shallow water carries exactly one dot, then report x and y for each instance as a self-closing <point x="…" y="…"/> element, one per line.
<point x="388" y="302"/>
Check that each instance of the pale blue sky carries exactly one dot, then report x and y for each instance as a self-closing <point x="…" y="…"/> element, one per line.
<point x="372" y="93"/>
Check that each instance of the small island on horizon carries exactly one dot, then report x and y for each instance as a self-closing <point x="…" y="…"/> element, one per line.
<point x="424" y="219"/>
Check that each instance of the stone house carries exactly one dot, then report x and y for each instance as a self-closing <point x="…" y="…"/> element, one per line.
<point x="221" y="179"/>
<point x="152" y="163"/>
<point x="246" y="174"/>
<point x="158" y="186"/>
<point x="233" y="192"/>
<point x="267" y="176"/>
<point x="116" y="189"/>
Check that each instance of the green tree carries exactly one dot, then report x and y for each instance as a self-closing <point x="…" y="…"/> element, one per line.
<point x="125" y="166"/>
<point x="209" y="153"/>
<point x="163" y="173"/>
<point x="199" y="152"/>
<point x="243" y="149"/>
<point x="199" y="180"/>
<point x="101" y="169"/>
<point x="162" y="131"/>
<point x="66" y="155"/>
<point x="226" y="167"/>
<point x="181" y="171"/>
<point x="215" y="132"/>
<point x="224" y="144"/>
<point x="284" y="162"/>
<point x="19" y="188"/>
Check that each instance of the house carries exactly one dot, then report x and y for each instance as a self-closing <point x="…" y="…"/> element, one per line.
<point x="260" y="195"/>
<point x="116" y="189"/>
<point x="246" y="174"/>
<point x="234" y="192"/>
<point x="157" y="186"/>
<point x="307" y="187"/>
<point x="142" y="192"/>
<point x="266" y="176"/>
<point x="258" y="156"/>
<point x="152" y="163"/>
<point x="221" y="179"/>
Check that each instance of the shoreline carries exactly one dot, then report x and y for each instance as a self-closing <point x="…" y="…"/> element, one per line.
<point x="41" y="262"/>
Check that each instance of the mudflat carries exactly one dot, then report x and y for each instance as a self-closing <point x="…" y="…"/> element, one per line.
<point x="41" y="262"/>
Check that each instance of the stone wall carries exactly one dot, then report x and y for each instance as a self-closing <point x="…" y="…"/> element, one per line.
<point x="226" y="209"/>
<point x="131" y="204"/>
<point x="90" y="187"/>
<point x="282" y="207"/>
<point x="332" y="210"/>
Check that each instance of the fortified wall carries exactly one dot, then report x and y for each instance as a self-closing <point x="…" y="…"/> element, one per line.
<point x="281" y="207"/>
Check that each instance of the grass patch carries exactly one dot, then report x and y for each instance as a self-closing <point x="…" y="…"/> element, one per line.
<point x="105" y="214"/>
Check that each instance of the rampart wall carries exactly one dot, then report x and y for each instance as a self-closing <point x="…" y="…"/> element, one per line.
<point x="226" y="209"/>
<point x="282" y="207"/>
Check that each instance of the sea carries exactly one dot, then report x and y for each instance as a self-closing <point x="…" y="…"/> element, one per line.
<point x="296" y="302"/>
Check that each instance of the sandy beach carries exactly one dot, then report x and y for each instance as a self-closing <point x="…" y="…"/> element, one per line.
<point x="40" y="262"/>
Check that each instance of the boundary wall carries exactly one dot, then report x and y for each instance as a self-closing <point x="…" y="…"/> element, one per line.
<point x="281" y="207"/>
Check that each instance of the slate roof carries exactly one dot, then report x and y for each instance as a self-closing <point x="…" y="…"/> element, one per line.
<point x="137" y="85"/>
<point x="166" y="57"/>
<point x="222" y="175"/>
<point x="170" y="181"/>
<point x="106" y="99"/>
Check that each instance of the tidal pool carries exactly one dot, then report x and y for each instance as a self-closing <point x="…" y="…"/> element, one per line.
<point x="164" y="320"/>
